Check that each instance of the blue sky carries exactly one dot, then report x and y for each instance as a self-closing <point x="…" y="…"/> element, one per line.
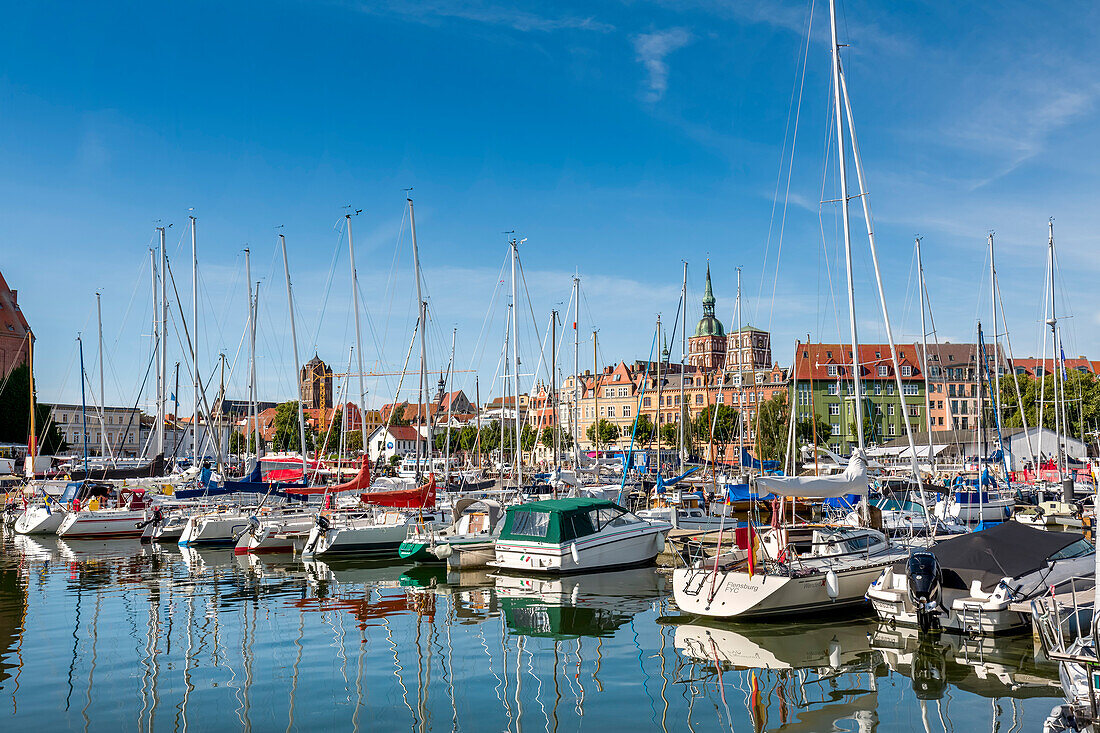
<point x="619" y="138"/>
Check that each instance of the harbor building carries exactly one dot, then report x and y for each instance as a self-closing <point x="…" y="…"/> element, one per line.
<point x="14" y="331"/>
<point x="953" y="383"/>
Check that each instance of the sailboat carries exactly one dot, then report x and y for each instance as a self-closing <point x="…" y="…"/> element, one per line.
<point x="804" y="568"/>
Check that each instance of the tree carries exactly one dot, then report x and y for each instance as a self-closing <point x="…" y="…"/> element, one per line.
<point x="395" y="459"/>
<point x="670" y="434"/>
<point x="643" y="429"/>
<point x="806" y="431"/>
<point x="285" y="435"/>
<point x="15" y="413"/>
<point x="725" y="428"/>
<point x="547" y="438"/>
<point x="397" y="416"/>
<point x="609" y="432"/>
<point x="353" y="441"/>
<point x="236" y="443"/>
<point x="1082" y="392"/>
<point x="527" y="437"/>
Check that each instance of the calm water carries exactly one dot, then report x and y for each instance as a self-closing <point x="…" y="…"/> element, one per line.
<point x="117" y="636"/>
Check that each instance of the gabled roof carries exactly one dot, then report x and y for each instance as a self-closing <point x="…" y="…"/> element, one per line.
<point x="812" y="361"/>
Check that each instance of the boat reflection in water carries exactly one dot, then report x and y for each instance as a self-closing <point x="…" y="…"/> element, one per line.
<point x="190" y="638"/>
<point x="801" y="677"/>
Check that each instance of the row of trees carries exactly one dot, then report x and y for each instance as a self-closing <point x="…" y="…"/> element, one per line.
<point x="1082" y="401"/>
<point x="493" y="438"/>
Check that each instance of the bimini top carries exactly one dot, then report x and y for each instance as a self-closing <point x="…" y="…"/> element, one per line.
<point x="557" y="521"/>
<point x="1007" y="550"/>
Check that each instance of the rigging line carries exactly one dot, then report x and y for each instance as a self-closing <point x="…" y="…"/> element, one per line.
<point x="534" y="325"/>
<point x="790" y="170"/>
<point x="326" y="291"/>
<point x="486" y="321"/>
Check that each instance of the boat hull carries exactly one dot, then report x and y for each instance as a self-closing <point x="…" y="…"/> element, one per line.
<point x="39" y="520"/>
<point x="102" y="524"/>
<point x="632" y="547"/>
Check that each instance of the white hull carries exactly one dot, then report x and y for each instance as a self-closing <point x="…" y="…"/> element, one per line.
<point x="995" y="510"/>
<point x="278" y="536"/>
<point x="733" y="594"/>
<point x="365" y="536"/>
<point x="105" y="523"/>
<point x="39" y="520"/>
<point x="213" y="529"/>
<point x="637" y="544"/>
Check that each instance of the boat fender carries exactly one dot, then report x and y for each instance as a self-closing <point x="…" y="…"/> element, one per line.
<point x="834" y="654"/>
<point x="832" y="584"/>
<point x="575" y="553"/>
<point x="443" y="551"/>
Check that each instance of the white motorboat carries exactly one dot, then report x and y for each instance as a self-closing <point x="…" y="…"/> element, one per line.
<point x="125" y="519"/>
<point x="280" y="533"/>
<point x="576" y="535"/>
<point x="976" y="583"/>
<point x="212" y="529"/>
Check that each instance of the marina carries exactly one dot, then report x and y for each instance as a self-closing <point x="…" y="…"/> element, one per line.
<point x="513" y="439"/>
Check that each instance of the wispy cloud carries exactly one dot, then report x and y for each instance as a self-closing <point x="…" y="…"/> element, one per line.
<point x="477" y="11"/>
<point x="651" y="49"/>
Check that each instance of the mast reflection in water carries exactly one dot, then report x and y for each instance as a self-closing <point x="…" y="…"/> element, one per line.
<point x="114" y="635"/>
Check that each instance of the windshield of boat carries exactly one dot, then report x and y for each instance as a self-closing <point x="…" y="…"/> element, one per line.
<point x="530" y="524"/>
<point x="1080" y="548"/>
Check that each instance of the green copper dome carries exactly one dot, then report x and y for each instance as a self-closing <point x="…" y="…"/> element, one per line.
<point x="709" y="325"/>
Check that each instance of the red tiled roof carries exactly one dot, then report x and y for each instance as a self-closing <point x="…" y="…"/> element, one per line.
<point x="812" y="361"/>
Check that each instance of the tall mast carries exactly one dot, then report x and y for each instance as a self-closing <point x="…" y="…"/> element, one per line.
<point x="84" y="404"/>
<point x="32" y="444"/>
<point x="162" y="397"/>
<point x="554" y="386"/>
<point x="254" y="431"/>
<point x="477" y="440"/>
<point x="102" y="400"/>
<point x="740" y="379"/>
<point x="924" y="352"/>
<point x="683" y="412"/>
<point x="195" y="345"/>
<point x="842" y="167"/>
<point x="515" y="367"/>
<point x="358" y="338"/>
<point x="660" y="396"/>
<point x="596" y="403"/>
<point x="450" y="404"/>
<point x="297" y="359"/>
<point x="1056" y="360"/>
<point x="575" y="412"/>
<point x="995" y="394"/>
<point x="423" y="311"/>
<point x="156" y="321"/>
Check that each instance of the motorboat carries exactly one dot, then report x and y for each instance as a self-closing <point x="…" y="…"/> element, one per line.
<point x="978" y="582"/>
<point x="576" y="535"/>
<point x="466" y="543"/>
<point x="790" y="569"/>
<point x="279" y="533"/>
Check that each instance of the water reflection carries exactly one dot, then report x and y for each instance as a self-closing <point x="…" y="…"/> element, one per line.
<point x="113" y="634"/>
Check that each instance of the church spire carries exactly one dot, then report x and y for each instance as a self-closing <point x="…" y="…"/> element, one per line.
<point x="708" y="296"/>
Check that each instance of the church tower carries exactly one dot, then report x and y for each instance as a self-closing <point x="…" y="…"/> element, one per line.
<point x="707" y="348"/>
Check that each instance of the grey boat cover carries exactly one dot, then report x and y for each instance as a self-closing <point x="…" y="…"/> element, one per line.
<point x="1006" y="550"/>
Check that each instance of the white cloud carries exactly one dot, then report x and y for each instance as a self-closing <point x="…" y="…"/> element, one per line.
<point x="489" y="14"/>
<point x="651" y="50"/>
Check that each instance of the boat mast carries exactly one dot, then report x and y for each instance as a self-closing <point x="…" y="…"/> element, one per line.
<point x="660" y="397"/>
<point x="924" y="353"/>
<point x="358" y="337"/>
<point x="683" y="352"/>
<point x="84" y="404"/>
<point x="842" y="167"/>
<point x="740" y="383"/>
<point x="297" y="359"/>
<point x="450" y="403"/>
<point x="254" y="429"/>
<point x="32" y="444"/>
<point x="575" y="411"/>
<point x="1056" y="356"/>
<point x="515" y="367"/>
<point x="195" y="345"/>
<point x="596" y="404"/>
<point x="103" y="445"/>
<point x="156" y="332"/>
<point x="477" y="440"/>
<point x="554" y="386"/>
<point x="422" y="309"/>
<point x="995" y="394"/>
<point x="163" y="369"/>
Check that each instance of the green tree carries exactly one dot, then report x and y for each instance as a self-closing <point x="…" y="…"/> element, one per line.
<point x="353" y="441"/>
<point x="547" y="438"/>
<point x="609" y="432"/>
<point x="395" y="459"/>
<point x="1082" y="393"/>
<point x="643" y="430"/>
<point x="236" y="443"/>
<point x="397" y="417"/>
<point x="670" y="434"/>
<point x="528" y="436"/>
<point x="332" y="432"/>
<point x="285" y="435"/>
<point x="725" y="426"/>
<point x="15" y="414"/>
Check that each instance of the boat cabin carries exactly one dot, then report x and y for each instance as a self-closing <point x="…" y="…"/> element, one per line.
<point x="561" y="521"/>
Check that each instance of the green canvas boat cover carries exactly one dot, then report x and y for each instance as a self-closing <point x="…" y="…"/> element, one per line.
<point x="557" y="521"/>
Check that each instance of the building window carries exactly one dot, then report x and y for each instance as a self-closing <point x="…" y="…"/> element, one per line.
<point x="626" y="410"/>
<point x="698" y="399"/>
<point x="907" y="371"/>
<point x="833" y="388"/>
<point x="611" y="411"/>
<point x="910" y="389"/>
<point x="889" y="388"/>
<point x="878" y="387"/>
<point x="889" y="409"/>
<point x="882" y="370"/>
<point x="647" y="402"/>
<point x="834" y="409"/>
<point x="832" y="370"/>
<point x="760" y="378"/>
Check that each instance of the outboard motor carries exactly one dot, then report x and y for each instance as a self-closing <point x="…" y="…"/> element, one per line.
<point x="323" y="524"/>
<point x="923" y="579"/>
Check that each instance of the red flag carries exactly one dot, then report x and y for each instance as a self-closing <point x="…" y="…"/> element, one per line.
<point x="752" y="549"/>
